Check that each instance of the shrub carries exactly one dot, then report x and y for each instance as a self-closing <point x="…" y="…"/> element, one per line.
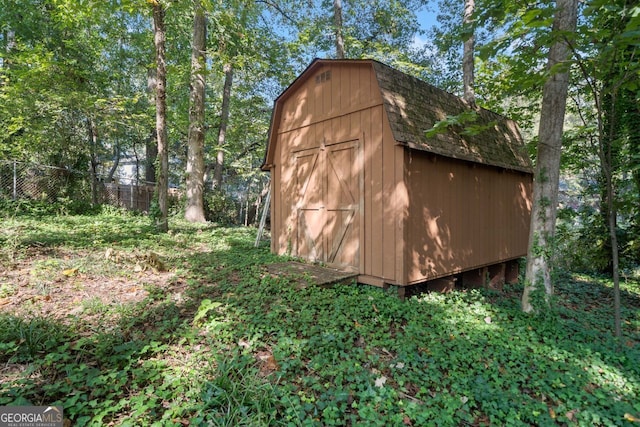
<point x="220" y="208"/>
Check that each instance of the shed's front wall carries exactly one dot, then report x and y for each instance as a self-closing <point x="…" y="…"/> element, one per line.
<point x="337" y="174"/>
<point x="463" y="216"/>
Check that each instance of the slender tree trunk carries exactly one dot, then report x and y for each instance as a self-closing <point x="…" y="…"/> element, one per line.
<point x="545" y="186"/>
<point x="224" y="121"/>
<point x="151" y="144"/>
<point x="468" y="78"/>
<point x="137" y="157"/>
<point x="613" y="235"/>
<point x="194" y="211"/>
<point x="608" y="165"/>
<point x="93" y="143"/>
<point x="337" y="19"/>
<point x="608" y="129"/>
<point x="161" y="113"/>
<point x="116" y="162"/>
<point x="151" y="155"/>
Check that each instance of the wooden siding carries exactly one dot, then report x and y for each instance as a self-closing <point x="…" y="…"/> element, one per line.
<point x="344" y="108"/>
<point x="344" y="89"/>
<point x="463" y="216"/>
<point x="348" y="191"/>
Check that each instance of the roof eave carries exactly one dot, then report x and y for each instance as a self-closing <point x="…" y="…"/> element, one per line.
<point x="470" y="159"/>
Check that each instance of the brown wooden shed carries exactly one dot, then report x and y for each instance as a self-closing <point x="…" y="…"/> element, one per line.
<point x="357" y="184"/>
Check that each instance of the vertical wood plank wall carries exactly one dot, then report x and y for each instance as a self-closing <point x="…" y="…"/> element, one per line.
<point x="345" y="106"/>
<point x="463" y="216"/>
<point x="423" y="216"/>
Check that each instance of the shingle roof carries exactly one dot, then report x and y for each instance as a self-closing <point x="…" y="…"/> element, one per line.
<point x="414" y="106"/>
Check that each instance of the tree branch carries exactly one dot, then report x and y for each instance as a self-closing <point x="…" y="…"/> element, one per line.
<point x="279" y="9"/>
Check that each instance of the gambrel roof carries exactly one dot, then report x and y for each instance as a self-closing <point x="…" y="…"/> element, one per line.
<point x="413" y="107"/>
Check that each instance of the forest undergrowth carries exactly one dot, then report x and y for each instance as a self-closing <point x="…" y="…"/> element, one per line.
<point x="122" y="325"/>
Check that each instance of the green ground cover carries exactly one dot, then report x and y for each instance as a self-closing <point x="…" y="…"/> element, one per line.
<point x="125" y="326"/>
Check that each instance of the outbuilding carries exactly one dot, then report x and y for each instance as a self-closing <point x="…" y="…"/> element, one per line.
<point x="359" y="181"/>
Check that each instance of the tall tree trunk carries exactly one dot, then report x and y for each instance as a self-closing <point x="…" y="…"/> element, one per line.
<point x="467" y="54"/>
<point x="613" y="236"/>
<point x="608" y="136"/>
<point x="224" y="121"/>
<point x="611" y="132"/>
<point x="337" y="19"/>
<point x="194" y="211"/>
<point x="545" y="185"/>
<point x="161" y="113"/>
<point x="608" y="126"/>
<point x="613" y="213"/>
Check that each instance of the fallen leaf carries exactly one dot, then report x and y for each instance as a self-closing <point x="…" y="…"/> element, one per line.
<point x="70" y="271"/>
<point x="407" y="421"/>
<point x="269" y="363"/>
<point x="571" y="414"/>
<point x="374" y="308"/>
<point x="381" y="381"/>
<point x="552" y="413"/>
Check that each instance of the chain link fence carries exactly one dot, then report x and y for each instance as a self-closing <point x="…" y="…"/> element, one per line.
<point x="25" y="181"/>
<point x="238" y="204"/>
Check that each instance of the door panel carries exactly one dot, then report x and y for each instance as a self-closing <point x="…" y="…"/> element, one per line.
<point x="328" y="203"/>
<point x="309" y="178"/>
<point x="343" y="203"/>
<point x="310" y="218"/>
<point x="310" y="243"/>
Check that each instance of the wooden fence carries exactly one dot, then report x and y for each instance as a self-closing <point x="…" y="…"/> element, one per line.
<point x="132" y="197"/>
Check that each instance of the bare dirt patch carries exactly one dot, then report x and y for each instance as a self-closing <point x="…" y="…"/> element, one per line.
<point x="68" y="285"/>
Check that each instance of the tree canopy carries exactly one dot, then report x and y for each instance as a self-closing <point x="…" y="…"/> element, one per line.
<point x="78" y="79"/>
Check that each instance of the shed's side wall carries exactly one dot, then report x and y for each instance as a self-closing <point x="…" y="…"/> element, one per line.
<point x="344" y="105"/>
<point x="463" y="216"/>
